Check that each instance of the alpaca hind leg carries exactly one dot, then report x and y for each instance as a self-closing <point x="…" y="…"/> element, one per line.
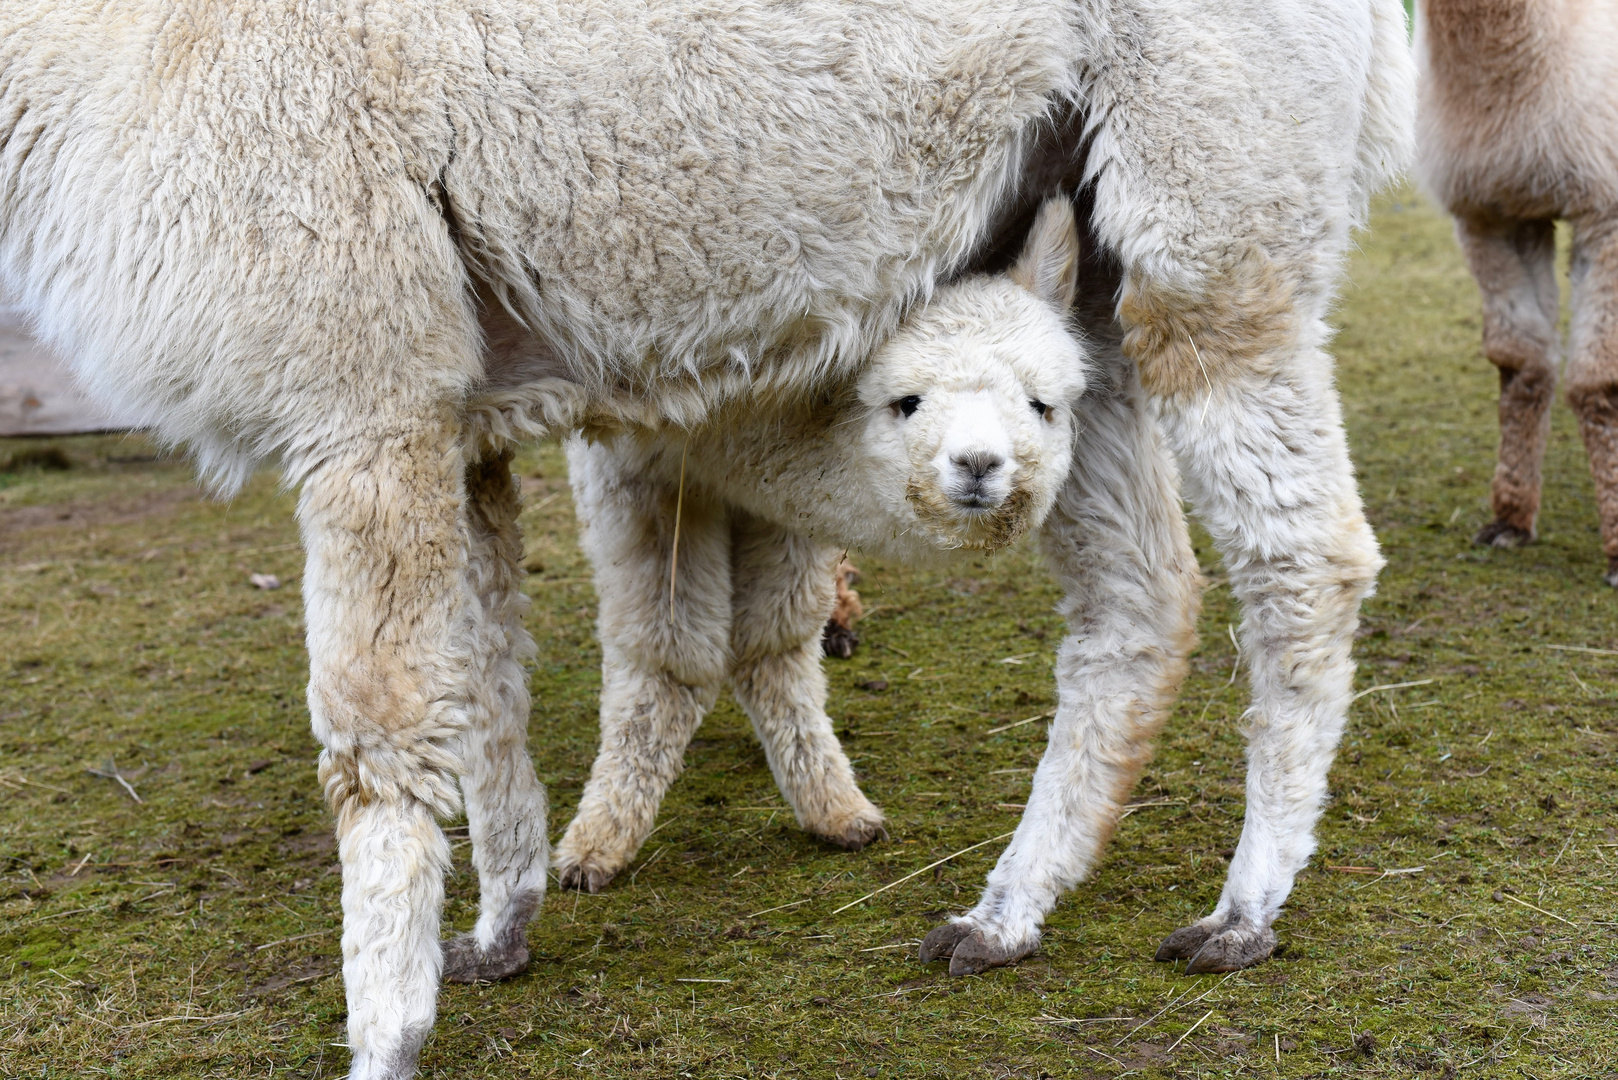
<point x="1514" y="264"/>
<point x="783" y="592"/>
<point x="1118" y="544"/>
<point x="1266" y="466"/>
<point x="840" y="639"/>
<point x="505" y="802"/>
<point x="661" y="666"/>
<point x="1592" y="371"/>
<point x="390" y="632"/>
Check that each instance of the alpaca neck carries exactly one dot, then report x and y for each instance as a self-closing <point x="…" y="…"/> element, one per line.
<point x="801" y="470"/>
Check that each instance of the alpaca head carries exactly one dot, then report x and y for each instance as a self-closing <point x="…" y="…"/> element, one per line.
<point x="969" y="407"/>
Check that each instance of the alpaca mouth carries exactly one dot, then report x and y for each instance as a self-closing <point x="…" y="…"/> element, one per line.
<point x="975" y="521"/>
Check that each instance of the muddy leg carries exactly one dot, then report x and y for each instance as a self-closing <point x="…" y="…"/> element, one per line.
<point x="784" y="591"/>
<point x="1266" y="467"/>
<point x="391" y="627"/>
<point x="1592" y="370"/>
<point x="660" y="670"/>
<point x="505" y="802"/>
<point x="1117" y="542"/>
<point x="1514" y="264"/>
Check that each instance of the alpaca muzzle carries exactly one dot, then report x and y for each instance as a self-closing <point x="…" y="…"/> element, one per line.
<point x="954" y="522"/>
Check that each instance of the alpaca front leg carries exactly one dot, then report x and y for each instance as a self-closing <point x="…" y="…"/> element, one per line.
<point x="784" y="589"/>
<point x="1592" y="371"/>
<point x="1514" y="263"/>
<point x="505" y="802"/>
<point x="1266" y="467"/>
<point x="647" y="720"/>
<point x="390" y="632"/>
<point x="1117" y="542"/>
<point x="662" y="657"/>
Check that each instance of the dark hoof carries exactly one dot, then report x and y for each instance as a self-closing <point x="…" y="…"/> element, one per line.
<point x="1500" y="534"/>
<point x="1232" y="950"/>
<point x="968" y="951"/>
<point x="1611" y="576"/>
<point x="590" y="879"/>
<point x="838" y="641"/>
<point x="973" y="954"/>
<point x="857" y="836"/>
<point x="464" y="962"/>
<point x="940" y="942"/>
<point x="1183" y="943"/>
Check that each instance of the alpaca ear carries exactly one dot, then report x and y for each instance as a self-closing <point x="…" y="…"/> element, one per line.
<point x="1049" y="264"/>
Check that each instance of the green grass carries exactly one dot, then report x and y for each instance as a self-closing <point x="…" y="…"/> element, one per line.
<point x="129" y="633"/>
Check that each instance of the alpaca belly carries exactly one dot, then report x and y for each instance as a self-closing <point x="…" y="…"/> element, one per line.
<point x="756" y="187"/>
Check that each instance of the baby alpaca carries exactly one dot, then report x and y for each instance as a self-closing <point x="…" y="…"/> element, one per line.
<point x="1518" y="127"/>
<point x="956" y="438"/>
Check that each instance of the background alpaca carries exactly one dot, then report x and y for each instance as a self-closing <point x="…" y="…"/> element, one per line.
<point x="839" y="638"/>
<point x="956" y="438"/>
<point x="381" y="239"/>
<point x="1518" y="127"/>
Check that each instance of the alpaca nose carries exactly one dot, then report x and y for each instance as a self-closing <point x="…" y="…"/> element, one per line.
<point x="978" y="464"/>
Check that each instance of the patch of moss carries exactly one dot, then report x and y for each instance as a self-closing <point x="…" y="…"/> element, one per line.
<point x="195" y="933"/>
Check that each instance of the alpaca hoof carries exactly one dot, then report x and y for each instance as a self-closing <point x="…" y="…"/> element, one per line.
<point x="1611" y="576"/>
<point x="1183" y="943"/>
<point x="465" y="962"/>
<point x="940" y="942"/>
<point x="838" y="641"/>
<point x="857" y="834"/>
<point x="1500" y="534"/>
<point x="1239" y="947"/>
<point x="974" y="954"/>
<point x="584" y="877"/>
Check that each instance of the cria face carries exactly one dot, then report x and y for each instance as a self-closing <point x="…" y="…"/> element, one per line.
<point x="957" y="436"/>
<point x="969" y="415"/>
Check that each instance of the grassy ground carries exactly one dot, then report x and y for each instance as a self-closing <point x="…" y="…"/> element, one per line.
<point x="193" y="933"/>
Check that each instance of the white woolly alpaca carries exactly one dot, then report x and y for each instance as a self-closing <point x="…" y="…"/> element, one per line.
<point x="1519" y="127"/>
<point x="956" y="437"/>
<point x="379" y="239"/>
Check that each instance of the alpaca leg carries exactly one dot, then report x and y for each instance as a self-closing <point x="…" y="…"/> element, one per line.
<point x="1117" y="542"/>
<point x="505" y="802"/>
<point x="1515" y="267"/>
<point x="840" y="639"/>
<point x="661" y="668"/>
<point x="783" y="592"/>
<point x="1592" y="371"/>
<point x="391" y="637"/>
<point x="1266" y="466"/>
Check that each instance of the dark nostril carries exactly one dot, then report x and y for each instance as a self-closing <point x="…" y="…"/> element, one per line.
<point x="979" y="464"/>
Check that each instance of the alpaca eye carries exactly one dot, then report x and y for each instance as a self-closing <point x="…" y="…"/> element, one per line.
<point x="1039" y="406"/>
<point x="907" y="406"/>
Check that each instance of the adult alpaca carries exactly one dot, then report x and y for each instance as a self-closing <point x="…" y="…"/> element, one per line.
<point x="378" y="239"/>
<point x="1518" y="127"/>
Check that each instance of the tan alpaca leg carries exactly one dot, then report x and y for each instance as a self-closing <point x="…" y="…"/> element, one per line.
<point x="784" y="589"/>
<point x="505" y="802"/>
<point x="391" y="637"/>
<point x="660" y="672"/>
<point x="1592" y="370"/>
<point x="840" y="638"/>
<point x="1117" y="542"/>
<point x="1514" y="263"/>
